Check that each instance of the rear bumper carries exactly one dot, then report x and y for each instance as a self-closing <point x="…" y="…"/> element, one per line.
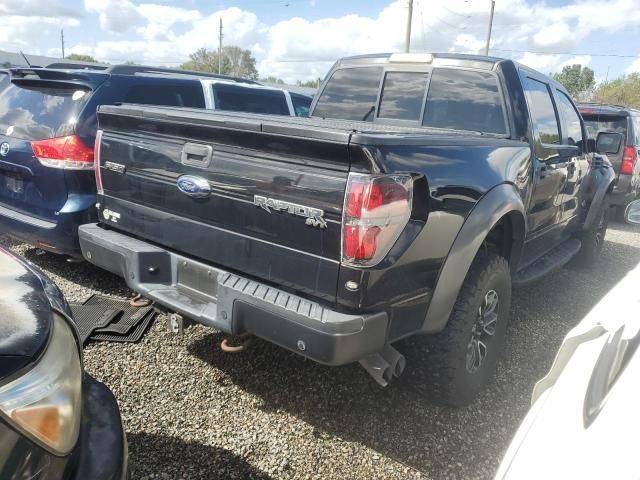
<point x="60" y="236"/>
<point x="102" y="444"/>
<point x="232" y="303"/>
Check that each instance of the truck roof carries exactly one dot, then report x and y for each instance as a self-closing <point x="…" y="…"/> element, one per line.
<point x="605" y="108"/>
<point x="420" y="57"/>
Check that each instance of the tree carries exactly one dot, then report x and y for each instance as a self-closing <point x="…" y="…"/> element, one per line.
<point x="623" y="91"/>
<point x="577" y="79"/>
<point x="235" y="61"/>
<point x="81" y="58"/>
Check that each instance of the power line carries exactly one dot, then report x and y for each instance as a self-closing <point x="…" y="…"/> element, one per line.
<point x="565" y="53"/>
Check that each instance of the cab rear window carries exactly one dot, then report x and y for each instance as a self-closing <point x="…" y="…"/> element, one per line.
<point x="37" y="112"/>
<point x="456" y="98"/>
<point x="464" y="100"/>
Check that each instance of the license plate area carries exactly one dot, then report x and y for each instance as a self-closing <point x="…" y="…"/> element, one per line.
<point x="197" y="279"/>
<point x="14" y="183"/>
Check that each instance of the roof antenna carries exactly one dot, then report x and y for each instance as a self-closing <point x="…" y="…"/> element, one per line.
<point x="25" y="58"/>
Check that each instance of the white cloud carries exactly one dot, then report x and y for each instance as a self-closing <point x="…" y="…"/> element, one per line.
<point x="554" y="35"/>
<point x="22" y="32"/>
<point x="634" y="66"/>
<point x="299" y="48"/>
<point x="115" y="15"/>
<point x="36" y="8"/>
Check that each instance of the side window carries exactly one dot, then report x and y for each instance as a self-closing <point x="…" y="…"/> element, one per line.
<point x="636" y="128"/>
<point x="571" y="121"/>
<point x="464" y="100"/>
<point x="170" y="95"/>
<point x="543" y="116"/>
<point x="350" y="94"/>
<point x="301" y="104"/>
<point x="402" y="95"/>
<point x="247" y="99"/>
<point x="236" y="98"/>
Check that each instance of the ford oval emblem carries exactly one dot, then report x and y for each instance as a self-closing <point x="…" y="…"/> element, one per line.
<point x="193" y="186"/>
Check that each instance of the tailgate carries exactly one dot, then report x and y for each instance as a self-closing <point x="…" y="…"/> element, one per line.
<point x="248" y="193"/>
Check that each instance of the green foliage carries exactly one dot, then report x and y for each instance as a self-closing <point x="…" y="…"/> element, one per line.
<point x="235" y="61"/>
<point x="81" y="58"/>
<point x="578" y="80"/>
<point x="623" y="91"/>
<point x="310" y="83"/>
<point x="272" y="79"/>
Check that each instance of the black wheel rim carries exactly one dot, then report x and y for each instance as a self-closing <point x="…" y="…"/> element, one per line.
<point x="483" y="331"/>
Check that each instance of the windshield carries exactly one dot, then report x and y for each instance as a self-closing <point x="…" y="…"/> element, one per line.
<point x="36" y="112"/>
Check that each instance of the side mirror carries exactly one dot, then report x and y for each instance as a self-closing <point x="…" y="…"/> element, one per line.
<point x="609" y="142"/>
<point x="632" y="213"/>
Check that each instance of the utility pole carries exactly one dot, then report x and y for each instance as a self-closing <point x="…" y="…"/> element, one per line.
<point x="220" y="48"/>
<point x="62" y="41"/>
<point x="486" y="48"/>
<point x="407" y="40"/>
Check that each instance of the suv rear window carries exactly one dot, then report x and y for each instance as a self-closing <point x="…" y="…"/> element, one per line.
<point x="170" y="95"/>
<point x="350" y="94"/>
<point x="464" y="100"/>
<point x="246" y="99"/>
<point x="604" y="123"/>
<point x="33" y="112"/>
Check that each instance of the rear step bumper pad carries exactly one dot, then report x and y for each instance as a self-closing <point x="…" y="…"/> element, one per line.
<point x="234" y="304"/>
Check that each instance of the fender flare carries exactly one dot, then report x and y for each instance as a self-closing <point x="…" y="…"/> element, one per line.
<point x="601" y="178"/>
<point x="498" y="202"/>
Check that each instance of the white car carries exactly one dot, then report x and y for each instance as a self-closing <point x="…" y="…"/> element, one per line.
<point x="584" y="421"/>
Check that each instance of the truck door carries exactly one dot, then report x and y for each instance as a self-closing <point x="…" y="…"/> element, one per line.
<point x="574" y="151"/>
<point x="544" y="217"/>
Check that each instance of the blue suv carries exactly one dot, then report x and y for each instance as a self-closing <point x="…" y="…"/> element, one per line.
<point x="48" y="126"/>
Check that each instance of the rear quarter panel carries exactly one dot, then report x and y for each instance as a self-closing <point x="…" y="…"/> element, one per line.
<point x="451" y="175"/>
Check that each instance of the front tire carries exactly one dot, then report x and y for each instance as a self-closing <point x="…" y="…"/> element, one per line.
<point x="463" y="357"/>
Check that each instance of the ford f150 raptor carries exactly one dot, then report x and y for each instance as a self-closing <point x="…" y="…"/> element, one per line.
<point x="419" y="191"/>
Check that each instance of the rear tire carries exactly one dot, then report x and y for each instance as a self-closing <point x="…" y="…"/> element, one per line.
<point x="618" y="213"/>
<point x="593" y="240"/>
<point x="463" y="357"/>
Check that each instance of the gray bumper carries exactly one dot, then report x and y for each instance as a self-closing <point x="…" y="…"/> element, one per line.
<point x="232" y="303"/>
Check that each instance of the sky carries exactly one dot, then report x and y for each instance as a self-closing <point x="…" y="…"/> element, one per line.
<point x="300" y="39"/>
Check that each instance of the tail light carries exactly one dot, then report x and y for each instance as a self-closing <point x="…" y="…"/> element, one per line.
<point x="376" y="210"/>
<point x="67" y="153"/>
<point x="629" y="159"/>
<point x="96" y="156"/>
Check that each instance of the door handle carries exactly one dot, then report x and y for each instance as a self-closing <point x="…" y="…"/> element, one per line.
<point x="196" y="155"/>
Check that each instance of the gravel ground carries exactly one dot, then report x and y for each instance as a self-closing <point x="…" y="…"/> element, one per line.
<point x="193" y="412"/>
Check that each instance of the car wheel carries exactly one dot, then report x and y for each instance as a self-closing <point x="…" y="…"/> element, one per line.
<point x="593" y="240"/>
<point x="462" y="358"/>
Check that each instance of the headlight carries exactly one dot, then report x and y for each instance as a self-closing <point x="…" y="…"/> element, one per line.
<point x="45" y="402"/>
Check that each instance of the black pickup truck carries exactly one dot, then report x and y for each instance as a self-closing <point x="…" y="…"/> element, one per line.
<point x="421" y="188"/>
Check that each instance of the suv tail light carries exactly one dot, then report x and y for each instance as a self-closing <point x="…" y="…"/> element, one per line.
<point x="376" y="210"/>
<point x="67" y="153"/>
<point x="96" y="156"/>
<point x="629" y="159"/>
